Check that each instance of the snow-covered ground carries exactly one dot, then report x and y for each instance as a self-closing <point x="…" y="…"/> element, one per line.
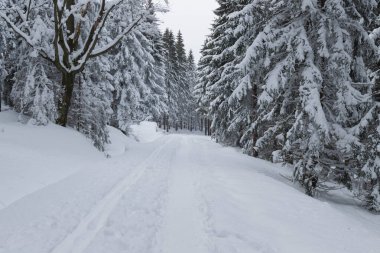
<point x="174" y="193"/>
<point x="33" y="157"/>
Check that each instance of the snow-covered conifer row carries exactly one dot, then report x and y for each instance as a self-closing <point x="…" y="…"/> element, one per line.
<point x="295" y="82"/>
<point x="180" y="80"/>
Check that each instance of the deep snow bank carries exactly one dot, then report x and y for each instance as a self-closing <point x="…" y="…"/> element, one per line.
<point x="32" y="157"/>
<point x="251" y="207"/>
<point x="119" y="142"/>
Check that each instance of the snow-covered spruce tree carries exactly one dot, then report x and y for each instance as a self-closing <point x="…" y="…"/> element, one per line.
<point x="246" y="74"/>
<point x="367" y="177"/>
<point x="178" y="82"/>
<point x="203" y="71"/>
<point x="9" y="52"/>
<point x="34" y="89"/>
<point x="91" y="104"/>
<point x="171" y="79"/>
<point x="317" y="80"/>
<point x="191" y="70"/>
<point x="183" y="87"/>
<point x="220" y="60"/>
<point x="41" y="90"/>
<point x="137" y="70"/>
<point x="154" y="71"/>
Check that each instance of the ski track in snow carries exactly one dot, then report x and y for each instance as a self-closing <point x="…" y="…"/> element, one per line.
<point x="135" y="224"/>
<point x="81" y="237"/>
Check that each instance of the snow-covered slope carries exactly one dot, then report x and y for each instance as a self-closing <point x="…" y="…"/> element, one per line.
<point x="169" y="194"/>
<point x="33" y="157"/>
<point x="119" y="143"/>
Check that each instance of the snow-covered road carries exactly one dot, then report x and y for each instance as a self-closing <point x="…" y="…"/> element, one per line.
<point x="182" y="194"/>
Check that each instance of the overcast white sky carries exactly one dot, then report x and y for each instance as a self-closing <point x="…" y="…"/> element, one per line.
<point x="193" y="18"/>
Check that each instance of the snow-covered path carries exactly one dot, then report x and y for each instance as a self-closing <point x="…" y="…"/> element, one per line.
<point x="182" y="194"/>
<point x="184" y="227"/>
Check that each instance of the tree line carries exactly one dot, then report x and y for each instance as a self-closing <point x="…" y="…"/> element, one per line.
<point x="297" y="82"/>
<point x="90" y="64"/>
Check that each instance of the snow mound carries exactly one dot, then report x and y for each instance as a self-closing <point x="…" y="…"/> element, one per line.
<point x="146" y="131"/>
<point x="33" y="157"/>
<point x="119" y="142"/>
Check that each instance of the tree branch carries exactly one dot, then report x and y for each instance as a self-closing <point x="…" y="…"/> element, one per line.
<point x="58" y="37"/>
<point x="94" y="31"/>
<point x="117" y="40"/>
<point x="26" y="38"/>
<point x="28" y="10"/>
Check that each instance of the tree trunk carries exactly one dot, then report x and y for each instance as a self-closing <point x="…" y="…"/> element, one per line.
<point x="68" y="80"/>
<point x="205" y="123"/>
<point x="167" y="123"/>
<point x="254" y="105"/>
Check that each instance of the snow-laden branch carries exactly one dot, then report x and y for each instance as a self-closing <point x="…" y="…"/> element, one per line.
<point x="64" y="52"/>
<point x="28" y="10"/>
<point x="26" y="38"/>
<point x="117" y="40"/>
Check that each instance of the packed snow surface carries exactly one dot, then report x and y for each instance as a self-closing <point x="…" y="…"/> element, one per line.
<point x="168" y="193"/>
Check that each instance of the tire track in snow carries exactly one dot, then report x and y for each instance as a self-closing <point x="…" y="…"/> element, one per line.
<point x="78" y="240"/>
